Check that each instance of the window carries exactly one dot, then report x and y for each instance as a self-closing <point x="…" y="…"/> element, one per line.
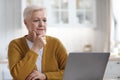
<point x="68" y="12"/>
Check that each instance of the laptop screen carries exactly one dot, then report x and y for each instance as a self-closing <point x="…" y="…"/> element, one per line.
<point x="86" y="66"/>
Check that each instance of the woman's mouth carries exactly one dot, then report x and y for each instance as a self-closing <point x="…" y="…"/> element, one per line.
<point x="41" y="31"/>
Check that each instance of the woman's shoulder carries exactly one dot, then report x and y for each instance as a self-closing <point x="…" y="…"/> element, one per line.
<point x="51" y="38"/>
<point x="18" y="40"/>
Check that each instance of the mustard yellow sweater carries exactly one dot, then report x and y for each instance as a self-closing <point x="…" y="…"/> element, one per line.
<point x="22" y="60"/>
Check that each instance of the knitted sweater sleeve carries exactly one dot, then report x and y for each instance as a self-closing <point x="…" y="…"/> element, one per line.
<point x="20" y="67"/>
<point x="61" y="57"/>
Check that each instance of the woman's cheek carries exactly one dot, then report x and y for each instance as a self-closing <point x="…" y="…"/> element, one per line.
<point x="33" y="28"/>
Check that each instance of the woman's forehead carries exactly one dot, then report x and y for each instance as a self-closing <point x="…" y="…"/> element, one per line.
<point x="39" y="13"/>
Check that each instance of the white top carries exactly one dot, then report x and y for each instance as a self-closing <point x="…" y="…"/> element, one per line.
<point x="39" y="59"/>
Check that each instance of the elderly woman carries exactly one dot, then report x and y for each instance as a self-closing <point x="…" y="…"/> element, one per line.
<point x="36" y="56"/>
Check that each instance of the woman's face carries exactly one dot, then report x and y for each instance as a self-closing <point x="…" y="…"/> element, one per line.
<point x="37" y="22"/>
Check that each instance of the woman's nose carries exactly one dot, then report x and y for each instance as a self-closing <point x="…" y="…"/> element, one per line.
<point x="41" y="23"/>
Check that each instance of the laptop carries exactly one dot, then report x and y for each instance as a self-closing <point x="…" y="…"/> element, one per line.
<point x="86" y="66"/>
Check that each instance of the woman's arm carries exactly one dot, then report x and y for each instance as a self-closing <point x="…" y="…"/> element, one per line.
<point x="61" y="58"/>
<point x="20" y="67"/>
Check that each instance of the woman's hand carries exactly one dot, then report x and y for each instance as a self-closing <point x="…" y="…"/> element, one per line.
<point x="35" y="75"/>
<point x="38" y="41"/>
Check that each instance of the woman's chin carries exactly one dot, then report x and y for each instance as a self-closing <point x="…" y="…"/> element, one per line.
<point x="42" y="32"/>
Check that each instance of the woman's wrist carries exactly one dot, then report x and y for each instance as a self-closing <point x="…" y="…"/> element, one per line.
<point x="34" y="49"/>
<point x="44" y="77"/>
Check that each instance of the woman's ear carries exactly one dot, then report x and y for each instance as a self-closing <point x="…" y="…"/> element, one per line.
<point x="25" y="22"/>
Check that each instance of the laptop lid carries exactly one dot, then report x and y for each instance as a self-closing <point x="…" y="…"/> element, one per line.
<point x="86" y="66"/>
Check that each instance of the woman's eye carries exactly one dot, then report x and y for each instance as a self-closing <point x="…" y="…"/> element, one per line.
<point x="44" y="20"/>
<point x="36" y="20"/>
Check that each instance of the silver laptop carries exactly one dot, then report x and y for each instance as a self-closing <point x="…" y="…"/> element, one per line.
<point x="86" y="66"/>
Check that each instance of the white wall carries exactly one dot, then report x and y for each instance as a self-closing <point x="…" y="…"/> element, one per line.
<point x="102" y="32"/>
<point x="10" y="23"/>
<point x="116" y="13"/>
<point x="75" y="38"/>
<point x="2" y="26"/>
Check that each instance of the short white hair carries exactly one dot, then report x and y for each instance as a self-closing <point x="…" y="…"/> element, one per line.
<point x="30" y="9"/>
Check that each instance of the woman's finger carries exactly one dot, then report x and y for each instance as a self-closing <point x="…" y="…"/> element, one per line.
<point x="31" y="76"/>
